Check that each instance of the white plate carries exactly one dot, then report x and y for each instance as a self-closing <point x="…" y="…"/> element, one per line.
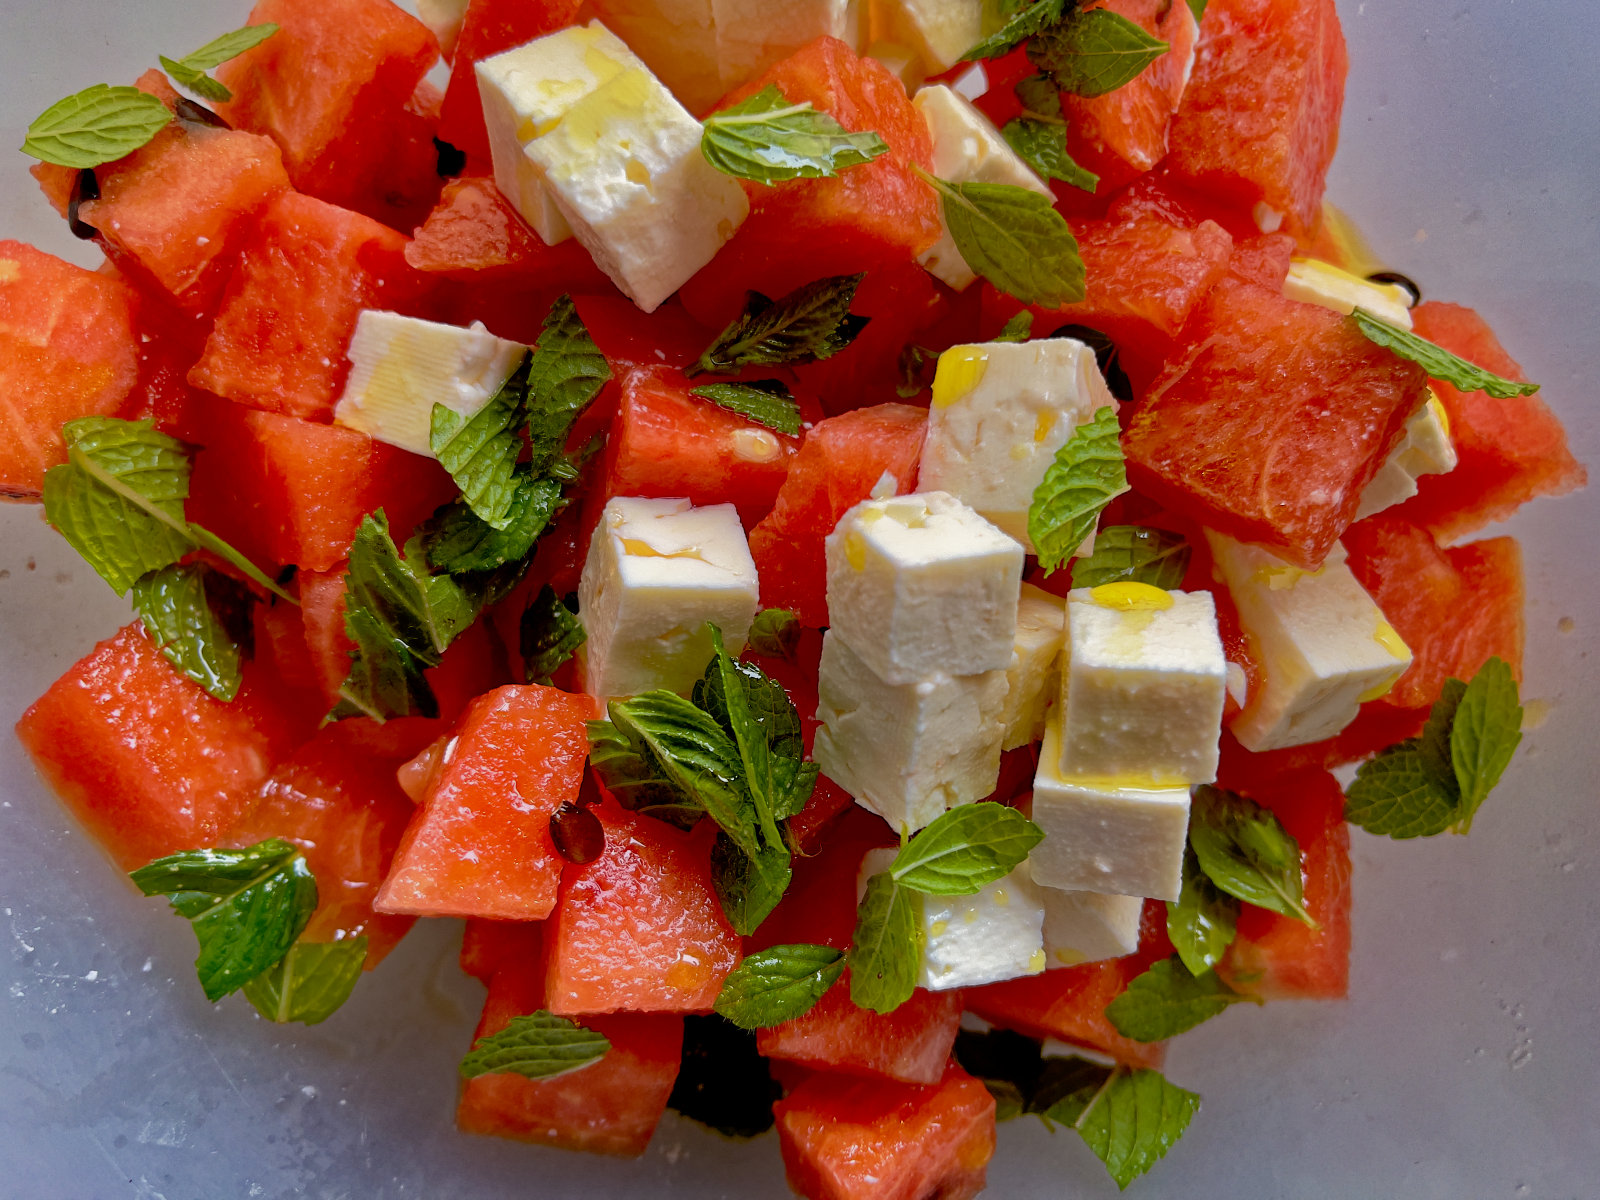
<point x="1464" y="1063"/>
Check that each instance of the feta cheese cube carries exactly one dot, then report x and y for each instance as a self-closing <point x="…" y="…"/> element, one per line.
<point x="1426" y="449"/>
<point x="995" y="934"/>
<point x="657" y="572"/>
<point x="907" y="751"/>
<point x="1000" y="412"/>
<point x="1142" y="688"/>
<point x="676" y="38"/>
<point x="1082" y="927"/>
<point x="1034" y="676"/>
<point x="1312" y="281"/>
<point x="400" y="367"/>
<point x="921" y="585"/>
<point x="1098" y="837"/>
<point x="1324" y="645"/>
<point x="754" y="34"/>
<point x="967" y="148"/>
<point x="938" y="32"/>
<point x="615" y="153"/>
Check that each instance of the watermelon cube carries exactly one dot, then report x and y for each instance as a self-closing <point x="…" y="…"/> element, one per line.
<point x="475" y="236"/>
<point x="911" y="1044"/>
<point x="820" y="906"/>
<point x="487" y="945"/>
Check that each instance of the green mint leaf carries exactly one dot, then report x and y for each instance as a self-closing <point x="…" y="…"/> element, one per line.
<point x="1134" y="1119"/>
<point x="1167" y="1000"/>
<point x="1043" y="146"/>
<point x="886" y="950"/>
<point x="456" y="541"/>
<point x="1204" y="920"/>
<point x="916" y="366"/>
<point x="1014" y="238"/>
<point x="1134" y="554"/>
<point x="768" y="140"/>
<point x="200" y="620"/>
<point x="1198" y="8"/>
<point x="1400" y="795"/>
<point x="1066" y="1088"/>
<point x="1024" y="25"/>
<point x="97" y="125"/>
<point x="774" y="633"/>
<point x="812" y="322"/>
<point x="747" y="887"/>
<point x="778" y="984"/>
<point x="1438" y="362"/>
<point x="1246" y="852"/>
<point x="550" y="634"/>
<point x="634" y="778"/>
<point x="207" y="540"/>
<point x="195" y="81"/>
<point x="190" y="70"/>
<point x="247" y="907"/>
<point x="481" y="451"/>
<point x="1485" y="734"/>
<point x="766" y="401"/>
<point x="1434" y="744"/>
<point x="1017" y="329"/>
<point x="537" y="1046"/>
<point x="1094" y="51"/>
<point x="311" y="982"/>
<point x="1040" y="98"/>
<point x="565" y="374"/>
<point x="965" y="849"/>
<point x="1087" y="474"/>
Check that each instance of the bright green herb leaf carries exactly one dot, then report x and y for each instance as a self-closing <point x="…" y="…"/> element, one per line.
<point x="247" y="907"/>
<point x="190" y="70"/>
<point x="886" y="951"/>
<point x="1400" y="795"/>
<point x="1094" y="51"/>
<point x="1017" y="329"/>
<point x="1134" y="554"/>
<point x="200" y="620"/>
<point x="207" y="540"/>
<point x="1043" y="146"/>
<point x="1198" y="8"/>
<point x="768" y="140"/>
<point x="1246" y="852"/>
<point x="634" y="778"/>
<point x="481" y="451"/>
<point x="538" y="1046"/>
<point x="1134" y="1119"/>
<point x="456" y="541"/>
<point x="774" y="633"/>
<point x="1066" y="1088"/>
<point x="766" y="401"/>
<point x="1485" y="734"/>
<point x="97" y="125"/>
<point x="778" y="984"/>
<point x="747" y="887"/>
<point x="550" y="634"/>
<point x="1438" y="362"/>
<point x="1203" y="921"/>
<point x="1434" y="744"/>
<point x="812" y="322"/>
<point x="1024" y="25"/>
<point x="565" y="374"/>
<point x="1087" y="474"/>
<point x="1167" y="1000"/>
<point x="965" y="849"/>
<point x="311" y="982"/>
<point x="1014" y="238"/>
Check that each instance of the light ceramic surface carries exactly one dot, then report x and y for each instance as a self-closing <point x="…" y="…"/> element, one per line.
<point x="1464" y="1064"/>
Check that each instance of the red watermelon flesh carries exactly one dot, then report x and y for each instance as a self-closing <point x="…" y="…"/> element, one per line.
<point x="402" y="182"/>
<point x="486" y="946"/>
<point x="820" y="905"/>
<point x="479" y="844"/>
<point x="1271" y="423"/>
<point x="911" y="1044"/>
<point x="1130" y="123"/>
<point x="475" y="236"/>
<point x="861" y="1139"/>
<point x="280" y="641"/>
<point x="68" y="348"/>
<point x="1509" y="451"/>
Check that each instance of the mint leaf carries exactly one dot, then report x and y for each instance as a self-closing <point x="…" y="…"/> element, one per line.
<point x="1167" y="1000"/>
<point x="916" y="367"/>
<point x="1485" y="734"/>
<point x="1087" y="474"/>
<point x="457" y="541"/>
<point x="1246" y="852"/>
<point x="247" y="906"/>
<point x="1014" y="238"/>
<point x="766" y="401"/>
<point x="1017" y="328"/>
<point x="1204" y="920"/>
<point x="1134" y="554"/>
<point x="481" y="451"/>
<point x="190" y="70"/>
<point x="774" y="633"/>
<point x="565" y="374"/>
<point x="1024" y="25"/>
<point x="537" y="1046"/>
<point x="1043" y="146"/>
<point x="965" y="849"/>
<point x="311" y="982"/>
<point x="1434" y="744"/>
<point x="97" y="125"/>
<point x="550" y="633"/>
<point x="778" y="984"/>
<point x="768" y="140"/>
<point x="634" y="778"/>
<point x="1094" y="51"/>
<point x="1134" y="1119"/>
<point x="1400" y="794"/>
<point x="747" y="887"/>
<point x="886" y="950"/>
<point x="200" y="620"/>
<point x="812" y="322"/>
<point x="1438" y="362"/>
<point x="1198" y="8"/>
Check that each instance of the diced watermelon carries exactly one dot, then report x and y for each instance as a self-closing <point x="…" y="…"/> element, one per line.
<point x="862" y="1139"/>
<point x="1272" y="424"/>
<point x="1263" y="260"/>
<point x="144" y="758"/>
<point x="479" y="844"/>
<point x="57" y="182"/>
<point x="640" y="927"/>
<point x="839" y="463"/>
<point x="611" y="1106"/>
<point x="287" y="316"/>
<point x="347" y="813"/>
<point x="911" y="1044"/>
<point x="404" y="184"/>
<point x="1509" y="451"/>
<point x="668" y="337"/>
<point x="820" y="905"/>
<point x="279" y="633"/>
<point x="474" y="235"/>
<point x="486" y="946"/>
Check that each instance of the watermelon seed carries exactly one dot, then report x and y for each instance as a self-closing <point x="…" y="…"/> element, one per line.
<point x="1404" y="282"/>
<point x="1105" y="356"/>
<point x="451" y="161"/>
<point x="85" y="187"/>
<point x="577" y="833"/>
<point x="199" y="114"/>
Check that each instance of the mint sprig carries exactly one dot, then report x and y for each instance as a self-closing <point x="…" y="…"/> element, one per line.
<point x="1017" y="329"/>
<point x="1014" y="238"/>
<point x="190" y="70"/>
<point x="1246" y="852"/>
<point x="1132" y="1120"/>
<point x="1438" y="362"/>
<point x="778" y="984"/>
<point x="200" y="620"/>
<point x="1167" y="1000"/>
<point x="1094" y="51"/>
<point x="1039" y="134"/>
<point x="539" y="1045"/>
<point x="1135" y="554"/>
<point x="565" y="375"/>
<point x="886" y="948"/>
<point x="1022" y="26"/>
<point x="767" y="402"/>
<point x="1203" y="922"/>
<point x="810" y="323"/>
<point x="767" y="139"/>
<point x="457" y="541"/>
<point x="549" y="634"/>
<point x="310" y="983"/>
<point x="1087" y="474"/>
<point x="749" y="886"/>
<point x="965" y="849"/>
<point x="95" y="126"/>
<point x="775" y="633"/>
<point x="481" y="451"/>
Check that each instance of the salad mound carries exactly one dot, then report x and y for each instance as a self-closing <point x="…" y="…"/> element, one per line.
<point x="848" y="542"/>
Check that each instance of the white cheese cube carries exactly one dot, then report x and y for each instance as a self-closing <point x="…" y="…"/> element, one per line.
<point x="400" y="367"/>
<point x="1324" y="645"/>
<point x="657" y="572"/>
<point x="1142" y="687"/>
<point x="1034" y="676"/>
<point x="444" y="18"/>
<point x="938" y="32"/>
<point x="967" y="148"/>
<point x="1082" y="927"/>
<point x="994" y="934"/>
<point x="1000" y="412"/>
<point x="676" y="38"/>
<point x="1312" y="281"/>
<point x="907" y="751"/>
<point x="754" y="34"/>
<point x="1426" y="449"/>
<point x="922" y="585"/>
<point x="1125" y="841"/>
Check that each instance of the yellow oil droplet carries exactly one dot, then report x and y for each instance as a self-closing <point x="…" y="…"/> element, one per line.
<point x="970" y="916"/>
<point x="1535" y="713"/>
<point x="1439" y="412"/>
<point x="638" y="173"/>
<point x="1391" y="641"/>
<point x="1002" y="897"/>
<point x="1043" y="424"/>
<point x="639" y="548"/>
<point x="756" y="445"/>
<point x="1128" y="596"/>
<point x="688" y="974"/>
<point x="855" y="550"/>
<point x="588" y="121"/>
<point x="1136" y="781"/>
<point x="1069" y="958"/>
<point x="960" y="370"/>
<point x="939" y="928"/>
<point x="1378" y="690"/>
<point x="1036" y="962"/>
